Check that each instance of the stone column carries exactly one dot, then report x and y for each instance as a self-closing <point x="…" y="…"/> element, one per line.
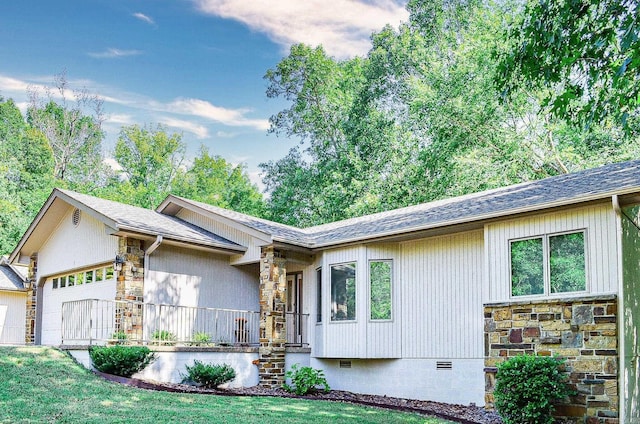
<point x="32" y="301"/>
<point x="130" y="288"/>
<point x="273" y="298"/>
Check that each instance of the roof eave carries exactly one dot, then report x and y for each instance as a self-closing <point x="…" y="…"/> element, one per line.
<point x="182" y="240"/>
<point x="469" y="220"/>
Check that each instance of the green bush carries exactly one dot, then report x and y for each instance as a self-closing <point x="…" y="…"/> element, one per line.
<point x="163" y="337"/>
<point x="200" y="339"/>
<point x="527" y="386"/>
<point x="305" y="380"/>
<point x="121" y="360"/>
<point x="207" y="375"/>
<point x="119" y="337"/>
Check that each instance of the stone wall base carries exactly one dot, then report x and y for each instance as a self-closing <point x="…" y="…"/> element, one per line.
<point x="581" y="330"/>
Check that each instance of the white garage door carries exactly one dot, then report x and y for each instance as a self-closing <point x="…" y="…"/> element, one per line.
<point x="92" y="284"/>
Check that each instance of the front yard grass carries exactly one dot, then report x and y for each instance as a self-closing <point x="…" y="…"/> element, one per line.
<point x="40" y="384"/>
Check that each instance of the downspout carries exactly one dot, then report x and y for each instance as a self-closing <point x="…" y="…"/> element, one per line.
<point x="621" y="335"/>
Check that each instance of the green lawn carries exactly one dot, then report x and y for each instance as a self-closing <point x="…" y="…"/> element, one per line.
<point x="39" y="384"/>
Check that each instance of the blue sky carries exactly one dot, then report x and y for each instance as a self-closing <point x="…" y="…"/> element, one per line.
<point x="195" y="66"/>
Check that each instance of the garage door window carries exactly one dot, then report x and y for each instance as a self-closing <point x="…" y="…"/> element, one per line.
<point x="85" y="277"/>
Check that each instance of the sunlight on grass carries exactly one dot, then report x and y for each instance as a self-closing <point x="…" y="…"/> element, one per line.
<point x="185" y="400"/>
<point x="37" y="383"/>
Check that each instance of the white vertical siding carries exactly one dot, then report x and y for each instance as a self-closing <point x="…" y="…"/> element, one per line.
<point x="185" y="277"/>
<point x="242" y="238"/>
<point x="442" y="282"/>
<point x="598" y="221"/>
<point x="342" y="338"/>
<point x="73" y="247"/>
<point x="384" y="337"/>
<point x="12" y="317"/>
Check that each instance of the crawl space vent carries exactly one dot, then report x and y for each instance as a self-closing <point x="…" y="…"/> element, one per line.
<point x="444" y="365"/>
<point x="75" y="217"/>
<point x="345" y="364"/>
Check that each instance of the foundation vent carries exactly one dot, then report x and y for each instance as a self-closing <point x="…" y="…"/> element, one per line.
<point x="345" y="364"/>
<point x="444" y="365"/>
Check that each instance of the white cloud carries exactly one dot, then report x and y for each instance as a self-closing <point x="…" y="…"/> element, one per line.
<point x="12" y="84"/>
<point x="17" y="89"/>
<point x="204" y="109"/>
<point x="200" y="131"/>
<point x="120" y="118"/>
<point x="144" y="18"/>
<point x="343" y="27"/>
<point x="225" y="134"/>
<point x="112" y="53"/>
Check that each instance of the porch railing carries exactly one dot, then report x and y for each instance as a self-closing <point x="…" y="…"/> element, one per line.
<point x="95" y="321"/>
<point x="297" y="329"/>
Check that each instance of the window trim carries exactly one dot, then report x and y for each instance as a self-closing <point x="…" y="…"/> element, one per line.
<point x="546" y="265"/>
<point x="343" y="321"/>
<point x="391" y="290"/>
<point x="319" y="302"/>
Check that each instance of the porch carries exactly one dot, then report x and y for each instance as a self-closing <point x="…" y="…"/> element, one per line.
<point x="95" y="321"/>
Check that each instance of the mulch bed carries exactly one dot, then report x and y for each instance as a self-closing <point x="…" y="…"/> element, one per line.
<point x="470" y="414"/>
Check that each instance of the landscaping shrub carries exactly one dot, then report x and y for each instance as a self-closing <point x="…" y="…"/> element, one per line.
<point x="200" y="339"/>
<point x="119" y="337"/>
<point x="305" y="380"/>
<point x="207" y="375"/>
<point x="527" y="386"/>
<point x="163" y="337"/>
<point x="121" y="360"/>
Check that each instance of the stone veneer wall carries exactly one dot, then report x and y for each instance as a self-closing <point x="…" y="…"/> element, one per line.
<point x="581" y="330"/>
<point x="273" y="337"/>
<point x="130" y="287"/>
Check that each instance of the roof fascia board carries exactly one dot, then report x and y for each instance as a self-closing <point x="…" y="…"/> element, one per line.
<point x="262" y="235"/>
<point x="128" y="231"/>
<point x="33" y="226"/>
<point x="16" y="290"/>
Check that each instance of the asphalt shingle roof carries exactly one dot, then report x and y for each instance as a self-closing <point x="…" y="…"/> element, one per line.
<point x="564" y="189"/>
<point x="560" y="190"/>
<point x="149" y="221"/>
<point x="9" y="280"/>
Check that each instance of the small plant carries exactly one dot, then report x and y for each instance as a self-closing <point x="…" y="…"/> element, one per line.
<point x="163" y="337"/>
<point x="207" y="375"/>
<point x="121" y="360"/>
<point x="200" y="339"/>
<point x="527" y="386"/>
<point x="119" y="337"/>
<point x="305" y="380"/>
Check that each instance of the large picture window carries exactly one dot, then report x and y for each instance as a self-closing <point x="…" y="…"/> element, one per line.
<point x="343" y="292"/>
<point x="548" y="264"/>
<point x="380" y="289"/>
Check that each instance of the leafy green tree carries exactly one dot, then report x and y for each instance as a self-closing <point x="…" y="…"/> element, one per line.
<point x="150" y="159"/>
<point x="585" y="54"/>
<point x="26" y="174"/>
<point x="73" y="129"/>
<point x="213" y="180"/>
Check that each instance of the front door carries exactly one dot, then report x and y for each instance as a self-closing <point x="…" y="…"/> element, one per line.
<point x="294" y="308"/>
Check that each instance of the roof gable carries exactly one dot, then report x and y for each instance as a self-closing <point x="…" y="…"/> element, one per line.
<point x="118" y="218"/>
